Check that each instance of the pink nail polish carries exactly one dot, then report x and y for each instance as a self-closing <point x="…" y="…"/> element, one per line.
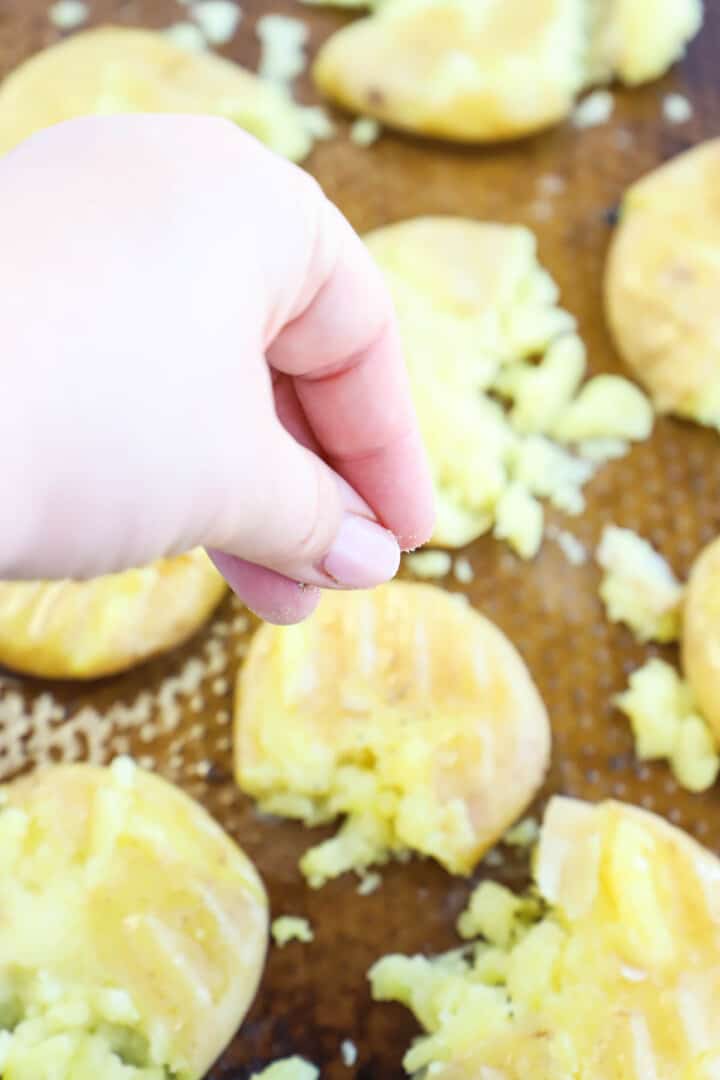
<point x="363" y="554"/>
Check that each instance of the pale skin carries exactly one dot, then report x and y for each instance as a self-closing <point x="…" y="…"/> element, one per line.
<point x="197" y="350"/>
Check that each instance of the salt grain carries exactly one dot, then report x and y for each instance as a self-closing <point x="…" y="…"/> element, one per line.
<point x="68" y="14"/>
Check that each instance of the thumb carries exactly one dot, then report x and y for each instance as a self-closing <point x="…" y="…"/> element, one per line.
<point x="302" y="521"/>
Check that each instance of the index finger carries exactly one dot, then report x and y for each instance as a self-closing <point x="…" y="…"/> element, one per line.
<point x="344" y="353"/>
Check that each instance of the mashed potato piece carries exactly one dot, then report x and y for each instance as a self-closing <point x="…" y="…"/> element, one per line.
<point x="662" y="282"/>
<point x="133" y="932"/>
<point x="701" y="634"/>
<point x="638" y="587"/>
<point x="401" y="709"/>
<point x="120" y="70"/>
<point x="480" y="322"/>
<point x="486" y="70"/>
<point x="609" y="969"/>
<point x="88" y="629"/>
<point x="666" y="724"/>
<point x="287" y="928"/>
<point x="636" y="41"/>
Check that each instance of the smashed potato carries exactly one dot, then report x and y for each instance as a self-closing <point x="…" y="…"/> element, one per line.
<point x="662" y="282"/>
<point x="121" y="70"/>
<point x="403" y="710"/>
<point x="133" y="932"/>
<point x="701" y="634"/>
<point x="471" y="70"/>
<point x="480" y="321"/>
<point x="610" y="969"/>
<point x="486" y="70"/>
<point x="89" y="629"/>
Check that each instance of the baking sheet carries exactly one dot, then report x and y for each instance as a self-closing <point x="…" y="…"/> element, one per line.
<point x="178" y="712"/>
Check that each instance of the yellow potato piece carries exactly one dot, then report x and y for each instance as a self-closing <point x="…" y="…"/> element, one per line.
<point x="133" y="933"/>
<point x="402" y="709"/>
<point x="471" y="70"/>
<point x="701" y="634"/>
<point x="619" y="979"/>
<point x="88" y="629"/>
<point x="121" y="70"/>
<point x="662" y="284"/>
<point x="638" y="40"/>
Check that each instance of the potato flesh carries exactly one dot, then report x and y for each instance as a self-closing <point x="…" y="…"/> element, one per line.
<point x="618" y="980"/>
<point x="401" y="709"/>
<point x="132" y="927"/>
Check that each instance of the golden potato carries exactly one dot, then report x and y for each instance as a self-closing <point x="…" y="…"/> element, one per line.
<point x="610" y="972"/>
<point x="133" y="933"/>
<point x="662" y="284"/>
<point x="472" y="70"/>
<point x="701" y="634"/>
<point x="486" y="70"/>
<point x="121" y="70"/>
<point x="402" y="709"/>
<point x="88" y="629"/>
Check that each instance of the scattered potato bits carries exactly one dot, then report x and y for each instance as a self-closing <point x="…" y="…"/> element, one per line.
<point x="701" y="634"/>
<point x="480" y="321"/>
<point x="667" y="725"/>
<point x="485" y="70"/>
<point x="429" y="564"/>
<point x="218" y="19"/>
<point x="403" y="710"/>
<point x="134" y="932"/>
<point x="287" y="928"/>
<point x="610" y="968"/>
<point x="120" y="70"/>
<point x="89" y="629"/>
<point x="638" y="587"/>
<point x="662" y="282"/>
<point x="68" y="14"/>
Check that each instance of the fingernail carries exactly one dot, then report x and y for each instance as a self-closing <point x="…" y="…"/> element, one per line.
<point x="363" y="554"/>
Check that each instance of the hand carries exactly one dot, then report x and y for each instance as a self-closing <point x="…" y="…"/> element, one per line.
<point x="197" y="350"/>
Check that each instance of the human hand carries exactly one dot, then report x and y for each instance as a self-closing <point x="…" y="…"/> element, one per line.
<point x="197" y="350"/>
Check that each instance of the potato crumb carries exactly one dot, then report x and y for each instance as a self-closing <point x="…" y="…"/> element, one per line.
<point x="677" y="109"/>
<point x="288" y="928"/>
<point x="319" y="124"/>
<point x="69" y="14"/>
<point x="638" y="588"/>
<point x="573" y="549"/>
<point x="601" y="450"/>
<point x="429" y="564"/>
<point x="365" y="131"/>
<point x="524" y="834"/>
<point x="292" y="1068"/>
<point x="186" y="35"/>
<point x="496" y="914"/>
<point x="218" y="20"/>
<point x="595" y="109"/>
<point x="519" y="520"/>
<point x="282" y="47"/>
<point x="348" y="1053"/>
<point x="666" y="725"/>
<point x="463" y="571"/>
<point x="370" y="882"/>
<point x="607" y="406"/>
